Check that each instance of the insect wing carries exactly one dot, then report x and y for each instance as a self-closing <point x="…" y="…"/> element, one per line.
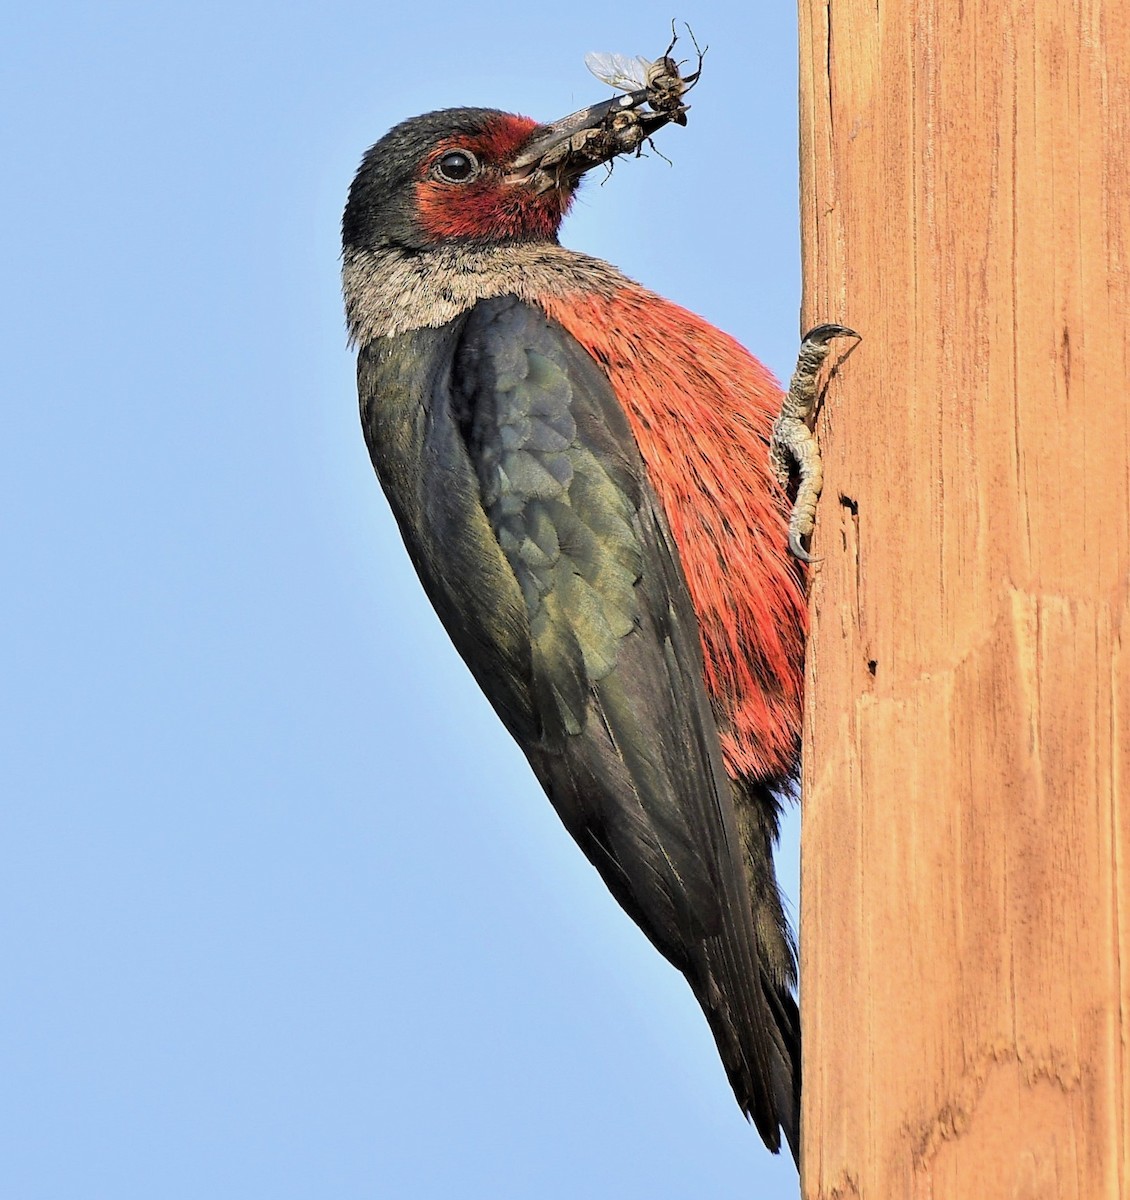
<point x="619" y="70"/>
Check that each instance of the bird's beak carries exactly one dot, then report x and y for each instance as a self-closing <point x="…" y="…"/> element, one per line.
<point x="558" y="154"/>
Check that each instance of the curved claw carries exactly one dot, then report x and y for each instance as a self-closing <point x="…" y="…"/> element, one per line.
<point x="822" y="334"/>
<point x="796" y="548"/>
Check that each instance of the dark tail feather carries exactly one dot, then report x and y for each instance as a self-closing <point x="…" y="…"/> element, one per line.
<point x="759" y="1044"/>
<point x="785" y="1071"/>
<point x="758" y="808"/>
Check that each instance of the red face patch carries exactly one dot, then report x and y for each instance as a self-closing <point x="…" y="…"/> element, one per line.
<point x="486" y="207"/>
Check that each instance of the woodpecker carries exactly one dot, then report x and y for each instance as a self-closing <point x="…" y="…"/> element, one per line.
<point x="580" y="472"/>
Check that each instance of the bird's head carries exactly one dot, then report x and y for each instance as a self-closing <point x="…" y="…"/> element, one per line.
<point x="479" y="176"/>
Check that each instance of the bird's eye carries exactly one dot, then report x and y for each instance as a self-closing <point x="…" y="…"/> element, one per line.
<point x="457" y="166"/>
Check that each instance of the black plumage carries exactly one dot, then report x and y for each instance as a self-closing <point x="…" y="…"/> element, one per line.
<point x="528" y="514"/>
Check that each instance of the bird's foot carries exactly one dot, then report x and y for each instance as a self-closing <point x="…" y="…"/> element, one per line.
<point x="794" y="443"/>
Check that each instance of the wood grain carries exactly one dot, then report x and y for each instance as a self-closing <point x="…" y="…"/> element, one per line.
<point x="966" y="827"/>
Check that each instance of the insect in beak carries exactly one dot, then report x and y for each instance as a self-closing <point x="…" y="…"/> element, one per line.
<point x="558" y="154"/>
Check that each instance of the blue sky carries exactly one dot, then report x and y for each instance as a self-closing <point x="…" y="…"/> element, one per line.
<point x="282" y="910"/>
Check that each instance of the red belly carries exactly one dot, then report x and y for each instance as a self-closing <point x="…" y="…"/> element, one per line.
<point x="702" y="408"/>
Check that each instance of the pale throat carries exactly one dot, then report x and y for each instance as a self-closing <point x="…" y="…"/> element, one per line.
<point x="389" y="290"/>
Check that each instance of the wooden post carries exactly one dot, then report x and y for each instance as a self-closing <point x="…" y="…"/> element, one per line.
<point x="966" y="819"/>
